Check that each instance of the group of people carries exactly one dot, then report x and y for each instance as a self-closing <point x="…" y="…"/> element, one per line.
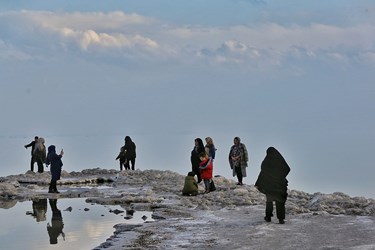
<point x="38" y="153"/>
<point x="271" y="180"/>
<point x="39" y="156"/>
<point x="127" y="154"/>
<point x="202" y="158"/>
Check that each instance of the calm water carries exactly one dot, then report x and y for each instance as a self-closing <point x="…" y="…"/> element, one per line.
<point x="46" y="224"/>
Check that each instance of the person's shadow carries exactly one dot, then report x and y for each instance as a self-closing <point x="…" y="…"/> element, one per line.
<point x="57" y="225"/>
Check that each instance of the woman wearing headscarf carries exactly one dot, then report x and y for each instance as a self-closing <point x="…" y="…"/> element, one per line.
<point x="56" y="166"/>
<point x="273" y="183"/>
<point x="238" y="159"/>
<point x="194" y="158"/>
<point x="210" y="147"/>
<point x="39" y="154"/>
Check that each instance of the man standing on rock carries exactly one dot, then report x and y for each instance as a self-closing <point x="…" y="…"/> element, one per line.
<point x="32" y="145"/>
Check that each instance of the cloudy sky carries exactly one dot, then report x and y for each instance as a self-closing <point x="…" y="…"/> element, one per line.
<point x="297" y="75"/>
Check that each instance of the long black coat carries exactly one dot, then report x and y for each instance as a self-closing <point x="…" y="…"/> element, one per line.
<point x="130" y="148"/>
<point x="194" y="158"/>
<point x="272" y="178"/>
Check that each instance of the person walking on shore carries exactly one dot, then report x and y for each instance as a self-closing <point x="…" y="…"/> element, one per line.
<point x="238" y="158"/>
<point x="273" y="183"/>
<point x="32" y="145"/>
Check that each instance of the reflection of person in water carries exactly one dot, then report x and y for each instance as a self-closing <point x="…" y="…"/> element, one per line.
<point x="39" y="209"/>
<point x="57" y="226"/>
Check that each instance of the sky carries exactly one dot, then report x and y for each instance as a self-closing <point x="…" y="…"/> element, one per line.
<point x="296" y="75"/>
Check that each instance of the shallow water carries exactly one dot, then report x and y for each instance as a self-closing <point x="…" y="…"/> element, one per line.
<point x="50" y="224"/>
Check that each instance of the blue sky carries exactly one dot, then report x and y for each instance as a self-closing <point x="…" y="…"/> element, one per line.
<point x="297" y="75"/>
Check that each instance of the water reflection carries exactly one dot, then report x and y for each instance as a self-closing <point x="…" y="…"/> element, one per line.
<point x="56" y="227"/>
<point x="39" y="209"/>
<point x="62" y="223"/>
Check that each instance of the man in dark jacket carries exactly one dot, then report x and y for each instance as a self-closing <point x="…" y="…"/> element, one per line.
<point x="32" y="145"/>
<point x="273" y="183"/>
<point x="130" y="153"/>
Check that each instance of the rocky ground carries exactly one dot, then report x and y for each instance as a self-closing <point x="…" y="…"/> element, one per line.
<point x="229" y="218"/>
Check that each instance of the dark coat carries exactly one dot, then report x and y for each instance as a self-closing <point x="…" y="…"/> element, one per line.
<point x="194" y="158"/>
<point x="272" y="178"/>
<point x="55" y="161"/>
<point x="130" y="148"/>
<point x="32" y="145"/>
<point x="122" y="154"/>
<point x="211" y="150"/>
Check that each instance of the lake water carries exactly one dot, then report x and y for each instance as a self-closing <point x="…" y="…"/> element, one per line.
<point x="48" y="224"/>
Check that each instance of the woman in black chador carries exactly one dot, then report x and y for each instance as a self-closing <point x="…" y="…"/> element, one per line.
<point x="130" y="153"/>
<point x="194" y="158"/>
<point x="273" y="183"/>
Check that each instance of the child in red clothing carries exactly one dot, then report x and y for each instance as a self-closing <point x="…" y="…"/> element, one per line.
<point x="205" y="167"/>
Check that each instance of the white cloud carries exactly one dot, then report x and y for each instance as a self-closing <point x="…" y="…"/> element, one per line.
<point x="89" y="38"/>
<point x="106" y="30"/>
<point x="265" y="43"/>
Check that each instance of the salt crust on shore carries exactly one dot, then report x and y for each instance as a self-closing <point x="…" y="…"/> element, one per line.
<point x="231" y="217"/>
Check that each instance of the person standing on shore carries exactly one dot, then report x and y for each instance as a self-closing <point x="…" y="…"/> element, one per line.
<point x="210" y="148"/>
<point x="206" y="168"/>
<point x="32" y="145"/>
<point x="211" y="152"/>
<point x="130" y="153"/>
<point x="238" y="159"/>
<point x="121" y="157"/>
<point x="273" y="183"/>
<point x="56" y="166"/>
<point x="39" y="154"/>
<point x="194" y="158"/>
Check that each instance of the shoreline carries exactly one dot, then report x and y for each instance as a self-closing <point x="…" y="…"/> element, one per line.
<point x="160" y="192"/>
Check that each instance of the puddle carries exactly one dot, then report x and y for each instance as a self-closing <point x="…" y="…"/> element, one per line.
<point x="62" y="224"/>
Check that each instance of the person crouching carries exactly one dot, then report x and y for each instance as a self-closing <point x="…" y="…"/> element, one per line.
<point x="56" y="166"/>
<point x="190" y="185"/>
